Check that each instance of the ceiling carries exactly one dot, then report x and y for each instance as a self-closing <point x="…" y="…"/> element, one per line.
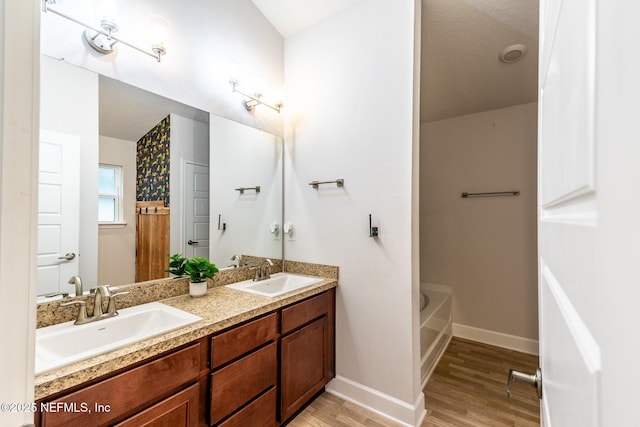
<point x="127" y="112"/>
<point x="461" y="41"/>
<point x="292" y="16"/>
<point x="460" y="71"/>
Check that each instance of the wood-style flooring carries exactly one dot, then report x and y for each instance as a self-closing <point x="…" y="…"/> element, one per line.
<point x="467" y="388"/>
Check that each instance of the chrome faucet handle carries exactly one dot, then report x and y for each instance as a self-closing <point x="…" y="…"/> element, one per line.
<point x="56" y="294"/>
<point x="82" y="312"/>
<point x="253" y="265"/>
<point x="111" y="308"/>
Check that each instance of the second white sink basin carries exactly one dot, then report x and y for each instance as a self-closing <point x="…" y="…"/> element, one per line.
<point x="66" y="343"/>
<point x="278" y="284"/>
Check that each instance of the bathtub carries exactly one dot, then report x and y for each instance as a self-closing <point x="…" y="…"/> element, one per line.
<point x="435" y="326"/>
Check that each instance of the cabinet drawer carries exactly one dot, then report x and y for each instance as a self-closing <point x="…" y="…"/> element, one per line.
<point x="242" y="339"/>
<point x="126" y="393"/>
<point x="303" y="312"/>
<point x="243" y="380"/>
<point x="179" y="410"/>
<point x="259" y="413"/>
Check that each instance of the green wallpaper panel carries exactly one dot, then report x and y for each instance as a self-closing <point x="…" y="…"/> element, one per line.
<point x="152" y="161"/>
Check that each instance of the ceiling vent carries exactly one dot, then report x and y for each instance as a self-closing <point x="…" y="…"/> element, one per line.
<point x="513" y="53"/>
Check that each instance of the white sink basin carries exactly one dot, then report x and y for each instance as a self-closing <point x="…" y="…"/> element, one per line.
<point x="278" y="284"/>
<point x="66" y="343"/>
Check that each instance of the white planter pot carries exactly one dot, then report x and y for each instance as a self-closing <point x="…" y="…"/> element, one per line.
<point x="197" y="289"/>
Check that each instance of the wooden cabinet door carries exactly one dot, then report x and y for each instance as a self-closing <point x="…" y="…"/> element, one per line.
<point x="305" y="360"/>
<point x="179" y="410"/>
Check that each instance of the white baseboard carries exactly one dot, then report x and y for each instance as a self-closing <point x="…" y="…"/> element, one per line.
<point x="409" y="415"/>
<point x="512" y="342"/>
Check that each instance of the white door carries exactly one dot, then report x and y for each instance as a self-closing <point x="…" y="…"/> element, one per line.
<point x="568" y="215"/>
<point x="196" y="198"/>
<point x="589" y="225"/>
<point x="58" y="211"/>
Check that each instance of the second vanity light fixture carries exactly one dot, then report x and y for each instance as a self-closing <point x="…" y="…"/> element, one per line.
<point x="254" y="100"/>
<point x="102" y="39"/>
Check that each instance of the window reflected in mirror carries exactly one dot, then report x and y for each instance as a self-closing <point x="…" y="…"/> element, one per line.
<point x="110" y="194"/>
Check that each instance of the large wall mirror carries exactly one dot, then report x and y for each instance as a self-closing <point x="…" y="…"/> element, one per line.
<point x="121" y="167"/>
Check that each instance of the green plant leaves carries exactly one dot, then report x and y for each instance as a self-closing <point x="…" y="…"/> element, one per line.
<point x="176" y="264"/>
<point x="197" y="268"/>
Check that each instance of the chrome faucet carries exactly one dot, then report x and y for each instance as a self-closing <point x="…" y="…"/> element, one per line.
<point x="101" y="293"/>
<point x="262" y="270"/>
<point x="238" y="259"/>
<point x="77" y="281"/>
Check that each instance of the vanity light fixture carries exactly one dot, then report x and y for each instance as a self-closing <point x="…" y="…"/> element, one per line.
<point x="102" y="39"/>
<point x="254" y="100"/>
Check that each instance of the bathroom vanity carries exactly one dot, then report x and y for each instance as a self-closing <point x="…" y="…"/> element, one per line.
<point x="251" y="361"/>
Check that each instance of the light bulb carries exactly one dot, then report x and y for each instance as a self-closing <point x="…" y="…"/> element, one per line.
<point x="258" y="84"/>
<point x="106" y="13"/>
<point x="278" y="95"/>
<point x="107" y="10"/>
<point x="158" y="28"/>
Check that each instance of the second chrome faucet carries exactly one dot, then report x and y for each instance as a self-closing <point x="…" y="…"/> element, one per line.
<point x="101" y="293"/>
<point x="262" y="270"/>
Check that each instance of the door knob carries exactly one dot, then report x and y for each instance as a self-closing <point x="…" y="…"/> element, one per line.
<point x="534" y="381"/>
<point x="68" y="257"/>
<point x="191" y="242"/>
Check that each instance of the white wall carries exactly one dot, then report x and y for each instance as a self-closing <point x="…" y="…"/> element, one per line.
<point x="189" y="141"/>
<point x="19" y="93"/>
<point x="484" y="248"/>
<point x="69" y="104"/>
<point x="349" y="114"/>
<point x="208" y="41"/>
<point x="117" y="244"/>
<point x="248" y="216"/>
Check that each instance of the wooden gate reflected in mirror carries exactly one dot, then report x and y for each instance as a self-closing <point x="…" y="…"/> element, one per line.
<point x="152" y="240"/>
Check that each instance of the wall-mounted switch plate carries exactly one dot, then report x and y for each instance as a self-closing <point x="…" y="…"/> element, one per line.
<point x="287" y="228"/>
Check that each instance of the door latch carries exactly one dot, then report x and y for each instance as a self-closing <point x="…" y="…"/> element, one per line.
<point x="68" y="256"/>
<point x="534" y="381"/>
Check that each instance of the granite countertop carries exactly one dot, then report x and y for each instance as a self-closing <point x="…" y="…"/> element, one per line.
<point x="220" y="308"/>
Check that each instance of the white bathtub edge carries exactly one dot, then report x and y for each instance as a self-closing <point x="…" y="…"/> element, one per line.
<point x="406" y="414"/>
<point x="438" y="356"/>
<point x="499" y="339"/>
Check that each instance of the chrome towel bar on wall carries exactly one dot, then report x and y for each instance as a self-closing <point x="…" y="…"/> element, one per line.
<point x="466" y="195"/>
<point x="338" y="182"/>
<point x="243" y="189"/>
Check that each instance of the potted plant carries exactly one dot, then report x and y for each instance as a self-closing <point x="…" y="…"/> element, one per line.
<point x="176" y="265"/>
<point x="197" y="269"/>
